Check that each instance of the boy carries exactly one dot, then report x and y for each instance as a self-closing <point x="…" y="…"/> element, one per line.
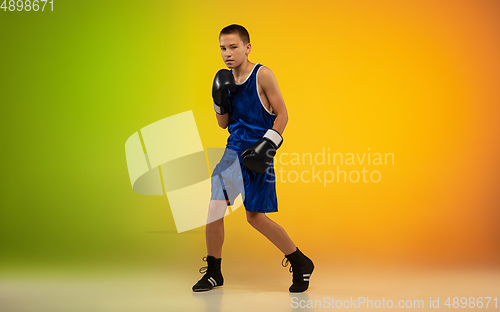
<point x="248" y="102"/>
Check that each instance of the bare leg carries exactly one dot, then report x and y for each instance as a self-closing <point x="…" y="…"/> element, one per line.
<point x="272" y="230"/>
<point x="214" y="230"/>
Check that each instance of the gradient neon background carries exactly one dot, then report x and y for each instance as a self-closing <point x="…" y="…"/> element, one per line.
<point x="417" y="79"/>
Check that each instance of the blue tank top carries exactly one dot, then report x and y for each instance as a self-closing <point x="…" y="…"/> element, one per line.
<point x="248" y="118"/>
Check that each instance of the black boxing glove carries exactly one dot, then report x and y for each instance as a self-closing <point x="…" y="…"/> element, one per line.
<point x="223" y="83"/>
<point x="258" y="157"/>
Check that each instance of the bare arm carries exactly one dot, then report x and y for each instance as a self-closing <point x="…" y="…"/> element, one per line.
<point x="268" y="82"/>
<point x="223" y="120"/>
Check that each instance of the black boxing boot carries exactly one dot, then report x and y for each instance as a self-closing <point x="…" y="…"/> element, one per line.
<point x="213" y="275"/>
<point x="302" y="268"/>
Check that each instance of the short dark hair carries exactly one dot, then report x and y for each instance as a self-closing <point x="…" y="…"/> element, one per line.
<point x="236" y="29"/>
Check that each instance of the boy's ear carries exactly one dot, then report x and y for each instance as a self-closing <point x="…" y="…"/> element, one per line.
<point x="249" y="47"/>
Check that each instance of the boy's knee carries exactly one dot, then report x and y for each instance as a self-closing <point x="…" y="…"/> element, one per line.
<point x="253" y="218"/>
<point x="216" y="210"/>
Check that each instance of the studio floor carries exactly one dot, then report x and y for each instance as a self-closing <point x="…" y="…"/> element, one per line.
<point x="250" y="289"/>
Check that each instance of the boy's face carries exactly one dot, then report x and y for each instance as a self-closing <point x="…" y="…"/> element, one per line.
<point x="233" y="51"/>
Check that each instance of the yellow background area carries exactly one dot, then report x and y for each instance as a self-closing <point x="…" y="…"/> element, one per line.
<point x="417" y="79"/>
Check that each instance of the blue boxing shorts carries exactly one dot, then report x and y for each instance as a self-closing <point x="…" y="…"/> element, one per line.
<point x="230" y="178"/>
